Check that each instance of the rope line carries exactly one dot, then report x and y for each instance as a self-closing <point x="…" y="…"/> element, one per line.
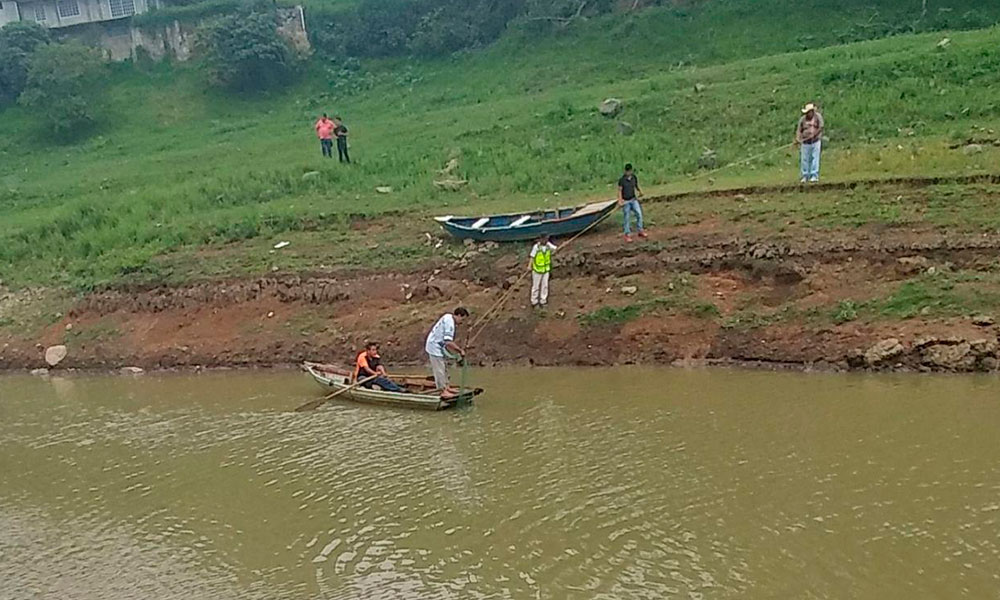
<point x="494" y="310"/>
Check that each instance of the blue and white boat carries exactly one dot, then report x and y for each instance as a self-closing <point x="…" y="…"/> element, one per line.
<point x="519" y="227"/>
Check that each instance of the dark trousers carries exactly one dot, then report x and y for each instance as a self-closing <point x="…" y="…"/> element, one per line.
<point x="327" y="146"/>
<point x="385" y="383"/>
<point x="342" y="150"/>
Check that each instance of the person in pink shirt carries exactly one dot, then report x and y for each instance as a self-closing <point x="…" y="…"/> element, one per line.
<point x="324" y="130"/>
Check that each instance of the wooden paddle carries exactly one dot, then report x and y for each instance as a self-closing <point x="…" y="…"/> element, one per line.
<point x="313" y="404"/>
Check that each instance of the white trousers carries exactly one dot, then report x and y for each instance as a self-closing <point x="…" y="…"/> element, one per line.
<point x="539" y="288"/>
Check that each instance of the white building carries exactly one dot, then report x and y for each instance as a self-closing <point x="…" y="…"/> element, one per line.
<point x="65" y="13"/>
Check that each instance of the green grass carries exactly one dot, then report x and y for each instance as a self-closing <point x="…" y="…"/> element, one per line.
<point x="177" y="169"/>
<point x="677" y="298"/>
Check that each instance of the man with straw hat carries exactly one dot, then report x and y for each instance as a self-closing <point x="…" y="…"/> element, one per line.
<point x="809" y="138"/>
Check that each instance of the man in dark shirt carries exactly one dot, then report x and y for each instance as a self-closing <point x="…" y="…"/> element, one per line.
<point x="340" y="130"/>
<point x="628" y="199"/>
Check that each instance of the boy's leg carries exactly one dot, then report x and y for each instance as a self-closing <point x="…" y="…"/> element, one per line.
<point x="638" y="215"/>
<point x="544" y="289"/>
<point x="536" y="286"/>
<point x="627" y="211"/>
<point x="387" y="384"/>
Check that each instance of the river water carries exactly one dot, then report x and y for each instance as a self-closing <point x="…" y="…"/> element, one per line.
<point x="626" y="483"/>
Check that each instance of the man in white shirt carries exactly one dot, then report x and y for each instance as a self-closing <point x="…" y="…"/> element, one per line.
<point x="541" y="265"/>
<point x="440" y="340"/>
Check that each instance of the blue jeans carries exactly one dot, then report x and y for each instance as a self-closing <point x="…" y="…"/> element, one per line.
<point x="385" y="383"/>
<point x="810" y="160"/>
<point x="632" y="206"/>
<point x="327" y="147"/>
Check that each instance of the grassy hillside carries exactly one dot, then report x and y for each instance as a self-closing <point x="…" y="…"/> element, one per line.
<point x="176" y="167"/>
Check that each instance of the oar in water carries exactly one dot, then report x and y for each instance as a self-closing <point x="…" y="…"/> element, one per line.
<point x="313" y="404"/>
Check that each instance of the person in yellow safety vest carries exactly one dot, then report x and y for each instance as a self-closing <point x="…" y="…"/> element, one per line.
<point x="541" y="266"/>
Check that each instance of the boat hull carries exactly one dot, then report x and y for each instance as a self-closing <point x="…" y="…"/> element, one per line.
<point x="334" y="380"/>
<point x="506" y="228"/>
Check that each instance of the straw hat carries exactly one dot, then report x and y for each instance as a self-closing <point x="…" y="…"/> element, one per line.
<point x="808" y="107"/>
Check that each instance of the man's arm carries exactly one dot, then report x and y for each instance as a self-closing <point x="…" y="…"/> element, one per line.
<point x="638" y="190"/>
<point x="621" y="195"/>
<point x="798" y="132"/>
<point x="454" y="348"/>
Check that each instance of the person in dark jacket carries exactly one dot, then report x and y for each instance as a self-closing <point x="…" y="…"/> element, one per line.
<point x="340" y="130"/>
<point x="628" y="199"/>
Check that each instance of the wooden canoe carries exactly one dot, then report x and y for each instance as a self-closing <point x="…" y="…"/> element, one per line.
<point x="420" y="394"/>
<point x="519" y="227"/>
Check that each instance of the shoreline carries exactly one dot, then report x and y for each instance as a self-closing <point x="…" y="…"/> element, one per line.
<point x="763" y="282"/>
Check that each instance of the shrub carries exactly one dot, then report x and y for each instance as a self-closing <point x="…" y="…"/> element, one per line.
<point x="63" y="85"/>
<point x="244" y="52"/>
<point x="18" y="41"/>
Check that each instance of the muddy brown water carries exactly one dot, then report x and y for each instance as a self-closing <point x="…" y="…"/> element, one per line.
<point x="624" y="483"/>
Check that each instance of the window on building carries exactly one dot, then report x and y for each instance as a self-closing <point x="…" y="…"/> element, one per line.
<point x="39" y="11"/>
<point x="121" y="8"/>
<point x="68" y="8"/>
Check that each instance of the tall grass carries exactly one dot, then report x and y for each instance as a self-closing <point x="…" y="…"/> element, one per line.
<point x="179" y="166"/>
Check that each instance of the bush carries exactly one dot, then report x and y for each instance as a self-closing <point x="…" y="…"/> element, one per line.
<point x="244" y="51"/>
<point x="63" y="85"/>
<point x="18" y="41"/>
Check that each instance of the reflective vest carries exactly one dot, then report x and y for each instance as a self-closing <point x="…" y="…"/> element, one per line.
<point x="543" y="260"/>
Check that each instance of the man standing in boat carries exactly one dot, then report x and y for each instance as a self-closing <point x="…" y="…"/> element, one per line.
<point x="628" y="199"/>
<point x="368" y="365"/>
<point x="441" y="344"/>
<point x="541" y="265"/>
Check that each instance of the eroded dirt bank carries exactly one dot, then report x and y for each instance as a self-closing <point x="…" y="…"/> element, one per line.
<point x="689" y="294"/>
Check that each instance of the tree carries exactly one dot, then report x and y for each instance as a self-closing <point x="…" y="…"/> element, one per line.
<point x="18" y="41"/>
<point x="244" y="52"/>
<point x="63" y="85"/>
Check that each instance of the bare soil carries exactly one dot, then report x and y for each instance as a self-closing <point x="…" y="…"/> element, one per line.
<point x="706" y="292"/>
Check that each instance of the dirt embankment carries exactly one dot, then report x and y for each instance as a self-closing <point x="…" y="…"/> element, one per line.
<point x="686" y="296"/>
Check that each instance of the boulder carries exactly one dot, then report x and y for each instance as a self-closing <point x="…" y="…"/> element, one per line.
<point x="971" y="149"/>
<point x="911" y="265"/>
<point x="610" y="107"/>
<point x="629" y="290"/>
<point x="384" y="189"/>
<point x="933" y="340"/>
<point x="131" y="371"/>
<point x="450" y="167"/>
<point x="310" y="174"/>
<point x="883" y="352"/>
<point x="982" y="348"/>
<point x="625" y="128"/>
<point x="700" y="87"/>
<point x="450" y="185"/>
<point x="708" y="160"/>
<point x="40" y="372"/>
<point x="55" y="355"/>
<point x="958" y="357"/>
<point x="983" y="321"/>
